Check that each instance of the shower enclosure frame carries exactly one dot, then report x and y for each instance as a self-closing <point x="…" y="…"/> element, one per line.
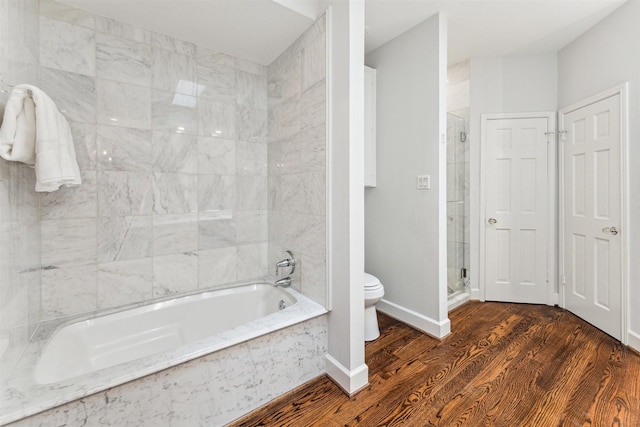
<point x="458" y="283"/>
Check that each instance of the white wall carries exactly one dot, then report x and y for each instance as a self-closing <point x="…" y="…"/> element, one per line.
<point x="345" y="361"/>
<point x="508" y="84"/>
<point x="405" y="228"/>
<point x="604" y="57"/>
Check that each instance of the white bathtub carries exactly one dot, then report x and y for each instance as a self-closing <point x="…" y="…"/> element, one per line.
<point x="68" y="361"/>
<point x="87" y="346"/>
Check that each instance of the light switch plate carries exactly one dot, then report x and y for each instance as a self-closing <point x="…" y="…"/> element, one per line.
<point x="423" y="182"/>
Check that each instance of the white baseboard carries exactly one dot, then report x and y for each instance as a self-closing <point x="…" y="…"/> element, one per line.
<point x="457" y="301"/>
<point x="417" y="320"/>
<point x="475" y="295"/>
<point x="349" y="381"/>
<point x="633" y="340"/>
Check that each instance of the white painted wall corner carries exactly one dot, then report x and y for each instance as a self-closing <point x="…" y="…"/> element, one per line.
<point x="351" y="381"/>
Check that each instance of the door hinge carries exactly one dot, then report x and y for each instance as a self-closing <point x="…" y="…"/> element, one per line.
<point x="563" y="280"/>
<point x="548" y="277"/>
<point x="561" y="134"/>
<point x="548" y="135"/>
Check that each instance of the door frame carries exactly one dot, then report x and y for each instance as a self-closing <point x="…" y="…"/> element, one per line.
<point x="552" y="295"/>
<point x="623" y="91"/>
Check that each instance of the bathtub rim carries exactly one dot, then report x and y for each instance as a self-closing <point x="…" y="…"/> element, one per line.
<point x="174" y="300"/>
<point x="52" y="326"/>
<point x="61" y="322"/>
<point x="49" y="396"/>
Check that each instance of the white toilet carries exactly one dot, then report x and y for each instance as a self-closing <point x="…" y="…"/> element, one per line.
<point x="373" y="292"/>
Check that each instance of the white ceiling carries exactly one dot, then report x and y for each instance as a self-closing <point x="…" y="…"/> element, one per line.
<point x="490" y="28"/>
<point x="259" y="30"/>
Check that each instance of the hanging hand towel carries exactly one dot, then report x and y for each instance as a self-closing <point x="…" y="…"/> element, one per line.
<point x="36" y="133"/>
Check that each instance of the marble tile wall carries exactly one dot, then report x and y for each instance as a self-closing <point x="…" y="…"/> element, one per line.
<point x="212" y="390"/>
<point x="172" y="145"/>
<point x="197" y="168"/>
<point x="19" y="203"/>
<point x="458" y="168"/>
<point x="297" y="158"/>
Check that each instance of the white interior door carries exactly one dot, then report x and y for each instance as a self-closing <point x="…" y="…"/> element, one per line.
<point x="517" y="209"/>
<point x="592" y="214"/>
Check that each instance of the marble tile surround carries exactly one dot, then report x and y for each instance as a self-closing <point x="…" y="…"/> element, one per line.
<point x="116" y="137"/>
<point x="20" y="289"/>
<point x="152" y="116"/>
<point x="210" y="382"/>
<point x="20" y="292"/>
<point x="296" y="156"/>
<point x="172" y="145"/>
<point x="176" y="143"/>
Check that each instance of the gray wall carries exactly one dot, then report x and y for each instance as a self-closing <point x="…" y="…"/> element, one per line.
<point x="606" y="56"/>
<point x="515" y="83"/>
<point x="403" y="246"/>
<point x="507" y="84"/>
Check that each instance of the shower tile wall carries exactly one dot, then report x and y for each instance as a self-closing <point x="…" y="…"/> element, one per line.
<point x="172" y="145"/>
<point x="19" y="203"/>
<point x="297" y="158"/>
<point x="458" y="164"/>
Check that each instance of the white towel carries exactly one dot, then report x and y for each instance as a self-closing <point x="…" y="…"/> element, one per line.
<point x="36" y="133"/>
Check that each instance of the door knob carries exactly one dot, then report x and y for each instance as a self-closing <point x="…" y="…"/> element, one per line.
<point x="610" y="230"/>
<point x="492" y="221"/>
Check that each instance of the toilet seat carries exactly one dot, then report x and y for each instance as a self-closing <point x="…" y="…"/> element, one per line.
<point x="371" y="282"/>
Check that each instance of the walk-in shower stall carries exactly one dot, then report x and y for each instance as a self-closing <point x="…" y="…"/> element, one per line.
<point x="457" y="209"/>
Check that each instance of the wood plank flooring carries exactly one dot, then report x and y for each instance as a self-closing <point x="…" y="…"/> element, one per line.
<point x="503" y="365"/>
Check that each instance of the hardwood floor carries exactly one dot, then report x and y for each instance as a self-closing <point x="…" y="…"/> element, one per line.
<point x="503" y="365"/>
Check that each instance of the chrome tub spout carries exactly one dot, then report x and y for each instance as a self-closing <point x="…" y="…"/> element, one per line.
<point x="283" y="283"/>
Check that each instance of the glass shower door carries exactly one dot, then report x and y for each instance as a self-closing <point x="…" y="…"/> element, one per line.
<point x="456" y="181"/>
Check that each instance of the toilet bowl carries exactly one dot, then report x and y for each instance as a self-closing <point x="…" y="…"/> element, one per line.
<point x="373" y="292"/>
